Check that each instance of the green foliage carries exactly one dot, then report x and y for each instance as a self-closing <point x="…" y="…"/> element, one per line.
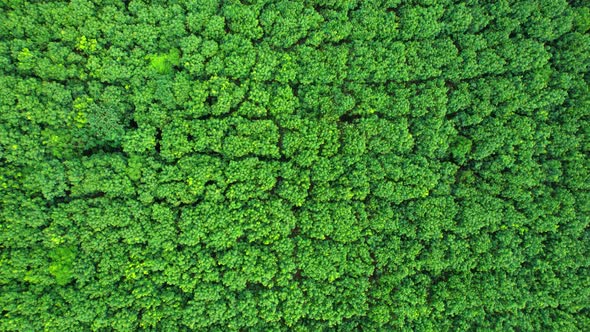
<point x="318" y="165"/>
<point x="164" y="63"/>
<point x="62" y="264"/>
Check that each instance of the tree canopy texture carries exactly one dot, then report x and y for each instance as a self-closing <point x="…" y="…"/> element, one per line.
<point x="294" y="165"/>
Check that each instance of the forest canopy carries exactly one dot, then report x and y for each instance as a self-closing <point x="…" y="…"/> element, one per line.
<point x="294" y="165"/>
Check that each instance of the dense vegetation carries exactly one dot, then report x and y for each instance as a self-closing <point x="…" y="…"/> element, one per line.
<point x="299" y="165"/>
